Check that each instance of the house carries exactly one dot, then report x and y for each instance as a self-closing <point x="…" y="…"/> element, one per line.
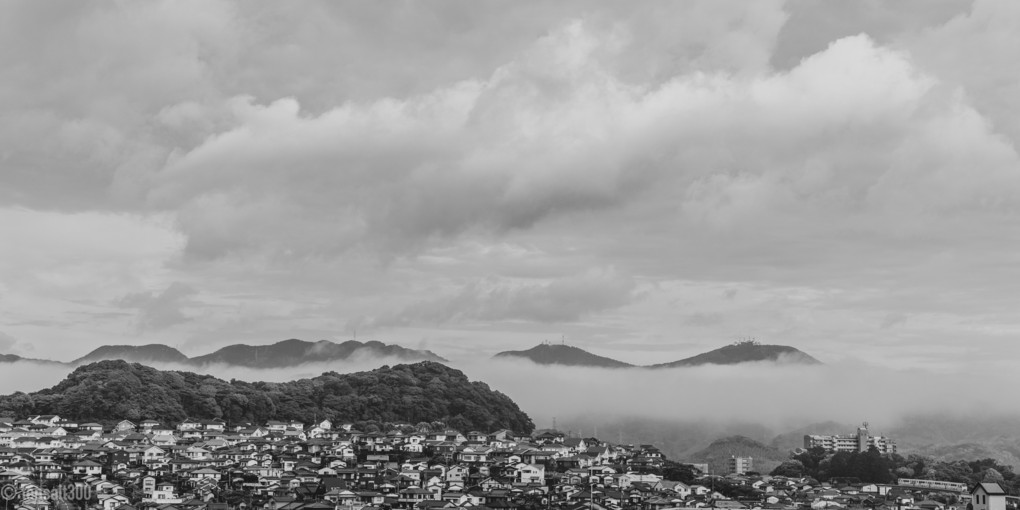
<point x="530" y="473"/>
<point x="216" y="425"/>
<point x="148" y="485"/>
<point x="162" y="494"/>
<point x="123" y="426"/>
<point x="205" y="473"/>
<point x="188" y="425"/>
<point x="49" y="420"/>
<point x="164" y="440"/>
<point x="147" y="425"/>
<point x="987" y="496"/>
<point x="276" y="426"/>
<point x="412" y="496"/>
<point x="87" y="467"/>
<point x="113" y="501"/>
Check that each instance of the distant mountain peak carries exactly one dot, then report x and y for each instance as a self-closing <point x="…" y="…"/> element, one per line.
<point x="745" y="352"/>
<point x="561" y="354"/>
<point x="134" y="353"/>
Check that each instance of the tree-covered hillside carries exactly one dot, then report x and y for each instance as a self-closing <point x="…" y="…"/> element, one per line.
<point x="554" y="354"/>
<point x="873" y="467"/>
<point x="717" y="454"/>
<point x="745" y="352"/>
<point x="426" y="391"/>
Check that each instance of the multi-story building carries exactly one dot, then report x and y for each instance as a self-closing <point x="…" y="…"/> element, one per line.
<point x="740" y="465"/>
<point x="862" y="441"/>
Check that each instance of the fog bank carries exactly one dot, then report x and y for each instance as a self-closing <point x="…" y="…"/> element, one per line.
<point x="774" y="397"/>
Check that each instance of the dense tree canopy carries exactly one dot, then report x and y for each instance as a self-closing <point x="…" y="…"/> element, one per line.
<point x="420" y="392"/>
<point x="874" y="467"/>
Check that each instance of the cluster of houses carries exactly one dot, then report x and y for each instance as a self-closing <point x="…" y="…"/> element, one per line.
<point x="212" y="465"/>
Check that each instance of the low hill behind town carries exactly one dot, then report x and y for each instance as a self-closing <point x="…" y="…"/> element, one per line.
<point x="717" y="454"/>
<point x="421" y="392"/>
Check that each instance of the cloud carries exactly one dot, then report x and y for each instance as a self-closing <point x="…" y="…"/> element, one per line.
<point x="836" y="164"/>
<point x="988" y="29"/>
<point x="560" y="300"/>
<point x="162" y="310"/>
<point x="555" y="134"/>
<point x="60" y="272"/>
<point x="811" y="25"/>
<point x="894" y="319"/>
<point x="7" y="342"/>
<point x="768" y="394"/>
<point x="704" y="319"/>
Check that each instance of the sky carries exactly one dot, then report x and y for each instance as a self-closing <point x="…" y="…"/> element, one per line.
<point x="645" y="181"/>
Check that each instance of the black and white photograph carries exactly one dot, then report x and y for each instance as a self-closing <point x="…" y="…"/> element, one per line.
<point x="509" y="254"/>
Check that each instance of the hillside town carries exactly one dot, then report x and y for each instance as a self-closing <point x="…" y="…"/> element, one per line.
<point x="47" y="462"/>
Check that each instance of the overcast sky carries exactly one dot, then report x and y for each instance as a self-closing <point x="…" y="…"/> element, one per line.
<point x="647" y="181"/>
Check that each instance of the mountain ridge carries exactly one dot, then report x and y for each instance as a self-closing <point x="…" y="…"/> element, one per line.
<point x="744" y="352"/>
<point x="295" y="352"/>
<point x="741" y="352"/>
<point x="133" y="353"/>
<point x="282" y="354"/>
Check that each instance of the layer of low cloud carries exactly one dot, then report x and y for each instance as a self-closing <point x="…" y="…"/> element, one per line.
<point x="765" y="398"/>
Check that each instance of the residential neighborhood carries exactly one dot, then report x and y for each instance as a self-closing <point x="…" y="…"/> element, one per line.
<point x="290" y="465"/>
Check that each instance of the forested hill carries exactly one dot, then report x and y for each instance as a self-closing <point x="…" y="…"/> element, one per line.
<point x="553" y="354"/>
<point x="420" y="392"/>
<point x="745" y="352"/>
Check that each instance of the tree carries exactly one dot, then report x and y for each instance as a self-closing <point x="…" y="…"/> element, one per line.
<point x="792" y="468"/>
<point x="677" y="472"/>
<point x="992" y="475"/>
